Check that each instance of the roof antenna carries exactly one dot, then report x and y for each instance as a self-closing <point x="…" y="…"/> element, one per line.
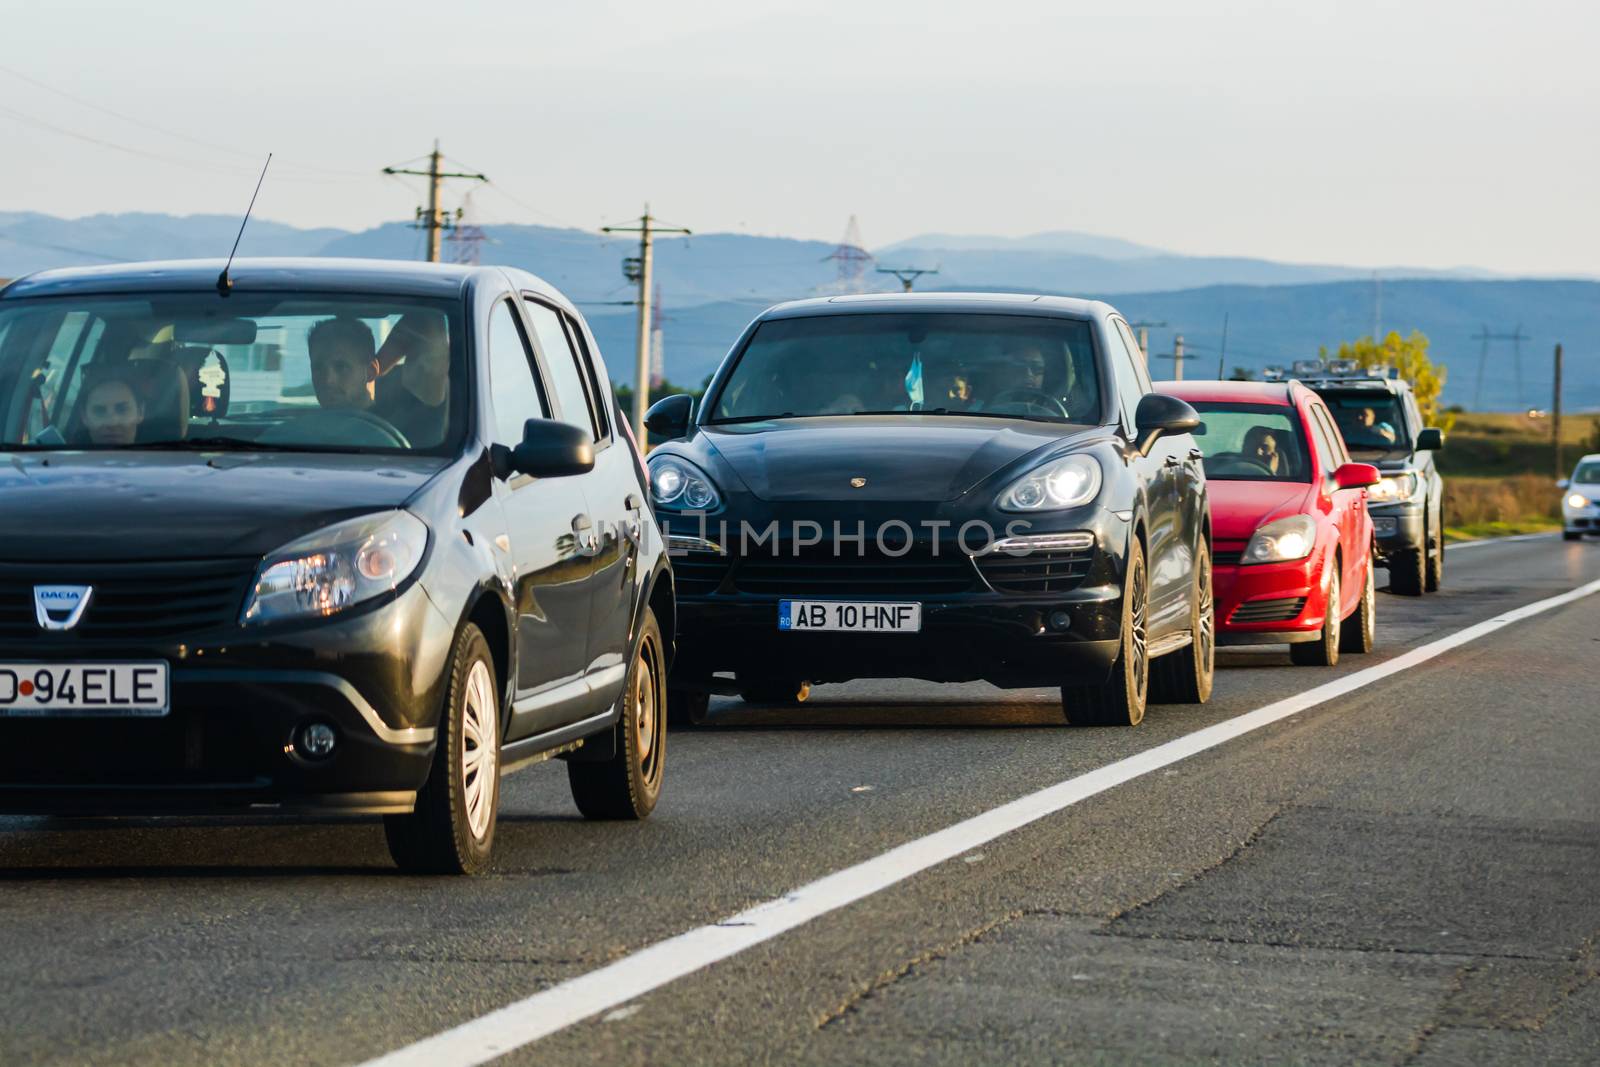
<point x="225" y="283"/>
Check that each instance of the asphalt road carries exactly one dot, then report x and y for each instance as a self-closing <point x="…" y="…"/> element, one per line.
<point x="1407" y="874"/>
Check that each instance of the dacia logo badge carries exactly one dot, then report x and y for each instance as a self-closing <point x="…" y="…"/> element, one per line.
<point x="60" y="607"/>
<point x="858" y="483"/>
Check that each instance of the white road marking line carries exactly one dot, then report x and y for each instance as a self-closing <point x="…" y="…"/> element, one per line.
<point x="1502" y="540"/>
<point x="631" y="977"/>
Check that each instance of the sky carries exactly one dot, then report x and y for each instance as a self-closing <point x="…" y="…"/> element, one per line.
<point x="1374" y="134"/>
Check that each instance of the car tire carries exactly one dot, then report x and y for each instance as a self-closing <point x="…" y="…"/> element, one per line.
<point x="451" y="830"/>
<point x="687" y="708"/>
<point x="1406" y="575"/>
<point x="1572" y="535"/>
<point x="627" y="785"/>
<point x="1120" y="700"/>
<point x="781" y="691"/>
<point x="1434" y="577"/>
<point x="1324" y="651"/>
<point x="1360" y="631"/>
<point x="1185" y="676"/>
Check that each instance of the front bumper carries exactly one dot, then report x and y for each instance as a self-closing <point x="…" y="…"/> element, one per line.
<point x="990" y="637"/>
<point x="1270" y="603"/>
<point x="228" y="743"/>
<point x="1398" y="528"/>
<point x="1581" y="520"/>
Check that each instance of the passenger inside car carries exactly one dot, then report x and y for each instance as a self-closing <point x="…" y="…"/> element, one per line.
<point x="344" y="363"/>
<point x="112" y="410"/>
<point x="415" y="395"/>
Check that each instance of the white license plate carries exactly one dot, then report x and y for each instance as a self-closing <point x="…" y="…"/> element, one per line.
<point x="111" y="689"/>
<point x="893" y="618"/>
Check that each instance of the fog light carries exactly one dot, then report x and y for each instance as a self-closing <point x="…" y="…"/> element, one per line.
<point x="1060" y="621"/>
<point x="317" y="740"/>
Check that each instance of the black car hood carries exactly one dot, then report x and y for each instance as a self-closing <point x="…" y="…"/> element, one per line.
<point x="110" y="506"/>
<point x="902" y="457"/>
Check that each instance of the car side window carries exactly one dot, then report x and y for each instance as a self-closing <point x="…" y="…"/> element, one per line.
<point x="591" y="375"/>
<point x="1137" y="353"/>
<point x="1124" y="369"/>
<point x="1341" y="454"/>
<point x="562" y="363"/>
<point x="1327" y="455"/>
<point x="517" y="395"/>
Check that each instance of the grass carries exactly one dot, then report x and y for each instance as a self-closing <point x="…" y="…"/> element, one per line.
<point x="1499" y="471"/>
<point x="1477" y="531"/>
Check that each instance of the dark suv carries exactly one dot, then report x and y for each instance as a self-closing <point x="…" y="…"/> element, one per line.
<point x="1382" y="425"/>
<point x="349" y="537"/>
<point x="941" y="486"/>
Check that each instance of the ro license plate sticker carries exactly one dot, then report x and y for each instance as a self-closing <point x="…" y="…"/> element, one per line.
<point x="104" y="689"/>
<point x="897" y="618"/>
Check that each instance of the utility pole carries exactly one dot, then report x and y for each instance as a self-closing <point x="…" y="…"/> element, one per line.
<point x="639" y="271"/>
<point x="1222" y="353"/>
<point x="907" y="275"/>
<point x="1555" y="417"/>
<point x="435" y="220"/>
<point x="1177" y="358"/>
<point x="1144" y="336"/>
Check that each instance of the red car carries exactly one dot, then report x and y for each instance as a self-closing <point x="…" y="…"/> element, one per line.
<point x="1290" y="530"/>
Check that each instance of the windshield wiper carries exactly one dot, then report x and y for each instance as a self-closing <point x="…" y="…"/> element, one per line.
<point x="751" y="418"/>
<point x="231" y="444"/>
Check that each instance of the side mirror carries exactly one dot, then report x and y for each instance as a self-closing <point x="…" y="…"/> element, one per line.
<point x="669" y="418"/>
<point x="1563" y="483"/>
<point x="1356" y="476"/>
<point x="549" y="449"/>
<point x="1159" y="414"/>
<point x="1430" y="440"/>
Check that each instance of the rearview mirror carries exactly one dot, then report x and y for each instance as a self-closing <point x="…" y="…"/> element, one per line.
<point x="1430" y="440"/>
<point x="549" y="449"/>
<point x="1356" y="476"/>
<point x="1158" y="415"/>
<point x="1563" y="483"/>
<point x="669" y="418"/>
<point x="214" y="332"/>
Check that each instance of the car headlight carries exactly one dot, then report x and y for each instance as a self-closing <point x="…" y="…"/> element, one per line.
<point x="1282" y="540"/>
<point x="1063" y="483"/>
<point x="677" y="483"/>
<point x="1576" y="501"/>
<point x="337" y="567"/>
<point x="1393" y="487"/>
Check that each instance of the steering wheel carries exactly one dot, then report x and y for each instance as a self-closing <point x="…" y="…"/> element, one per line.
<point x="344" y="429"/>
<point x="1033" y="400"/>
<point x="1243" y="465"/>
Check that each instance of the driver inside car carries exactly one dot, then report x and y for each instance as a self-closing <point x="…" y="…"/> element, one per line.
<point x="112" y="410"/>
<point x="344" y="364"/>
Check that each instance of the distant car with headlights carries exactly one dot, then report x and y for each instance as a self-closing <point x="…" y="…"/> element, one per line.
<point x="338" y="537"/>
<point x="1580" y="499"/>
<point x="1293" y="541"/>
<point x="1377" y="414"/>
<point x="941" y="486"/>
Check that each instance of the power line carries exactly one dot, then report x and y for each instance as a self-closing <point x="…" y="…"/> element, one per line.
<point x="212" y="145"/>
<point x="1516" y="337"/>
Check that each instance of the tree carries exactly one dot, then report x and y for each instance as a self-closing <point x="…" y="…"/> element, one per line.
<point x="1408" y="355"/>
<point x="1242" y="374"/>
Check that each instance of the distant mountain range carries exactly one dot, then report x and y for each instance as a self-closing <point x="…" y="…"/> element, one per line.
<point x="713" y="285"/>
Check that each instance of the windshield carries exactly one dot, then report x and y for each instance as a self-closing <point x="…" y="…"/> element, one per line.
<point x="294" y="372"/>
<point x="935" y="363"/>
<point x="1587" y="474"/>
<point x="1371" y="422"/>
<point x="1251" y="442"/>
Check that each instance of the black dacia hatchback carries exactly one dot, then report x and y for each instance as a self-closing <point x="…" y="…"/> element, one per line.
<point x="347" y="537"/>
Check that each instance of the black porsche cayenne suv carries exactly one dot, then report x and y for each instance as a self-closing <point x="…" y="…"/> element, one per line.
<point x="342" y="537"/>
<point x="948" y="487"/>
